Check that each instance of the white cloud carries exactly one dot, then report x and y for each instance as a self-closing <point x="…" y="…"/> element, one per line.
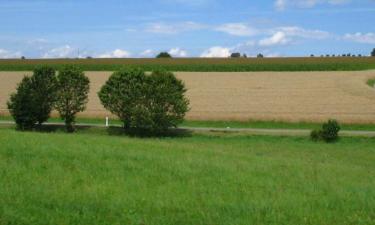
<point x="237" y="29"/>
<point x="147" y="53"/>
<point x="304" y="33"/>
<point x="283" y="4"/>
<point x="279" y="38"/>
<point x="61" y="52"/>
<point x="118" y="53"/>
<point x="216" y="52"/>
<point x="368" y="38"/>
<point x="173" y="28"/>
<point x="5" y="54"/>
<point x="177" y="52"/>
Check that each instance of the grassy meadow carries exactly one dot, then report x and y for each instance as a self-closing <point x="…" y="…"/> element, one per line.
<point x="203" y="64"/>
<point x="95" y="178"/>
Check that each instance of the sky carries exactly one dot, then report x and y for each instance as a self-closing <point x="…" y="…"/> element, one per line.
<point x="185" y="28"/>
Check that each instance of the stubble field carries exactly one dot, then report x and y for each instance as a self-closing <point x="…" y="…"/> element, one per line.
<point x="283" y="96"/>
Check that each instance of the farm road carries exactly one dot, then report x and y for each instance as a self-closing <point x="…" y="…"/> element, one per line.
<point x="252" y="131"/>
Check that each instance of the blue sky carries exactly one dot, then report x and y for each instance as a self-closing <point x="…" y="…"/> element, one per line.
<point x="185" y="28"/>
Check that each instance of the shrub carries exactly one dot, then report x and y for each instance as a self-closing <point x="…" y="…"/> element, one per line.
<point x="164" y="55"/>
<point x="260" y="55"/>
<point x="316" y="135"/>
<point x="72" y="94"/>
<point x="373" y="53"/>
<point x="328" y="133"/>
<point x="44" y="84"/>
<point x="235" y="55"/>
<point x="22" y="107"/>
<point x="147" y="104"/>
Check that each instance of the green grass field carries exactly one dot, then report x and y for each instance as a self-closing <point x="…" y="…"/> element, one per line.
<point x="202" y="65"/>
<point x="92" y="178"/>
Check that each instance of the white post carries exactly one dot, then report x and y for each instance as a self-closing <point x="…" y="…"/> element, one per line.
<point x="106" y="121"/>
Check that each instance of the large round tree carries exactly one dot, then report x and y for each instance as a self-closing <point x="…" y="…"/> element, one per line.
<point x="147" y="103"/>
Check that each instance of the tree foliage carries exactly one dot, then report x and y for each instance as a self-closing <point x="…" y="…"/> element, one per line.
<point x="72" y="94"/>
<point x="329" y="132"/>
<point x="22" y="106"/>
<point x="44" y="87"/>
<point x="145" y="103"/>
<point x="164" y="55"/>
<point x="373" y="53"/>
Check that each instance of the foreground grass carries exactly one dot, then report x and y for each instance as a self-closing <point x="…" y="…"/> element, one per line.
<point x="91" y="178"/>
<point x="203" y="65"/>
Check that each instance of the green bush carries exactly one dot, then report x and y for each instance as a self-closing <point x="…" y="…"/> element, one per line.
<point x="316" y="135"/>
<point x="164" y="55"/>
<point x="44" y="87"/>
<point x="146" y="104"/>
<point x="22" y="106"/>
<point x="329" y="132"/>
<point x="373" y="53"/>
<point x="72" y="94"/>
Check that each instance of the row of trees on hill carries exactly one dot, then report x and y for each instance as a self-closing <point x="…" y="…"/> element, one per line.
<point x="149" y="104"/>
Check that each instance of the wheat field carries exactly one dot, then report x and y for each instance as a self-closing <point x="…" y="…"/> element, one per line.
<point x="281" y="96"/>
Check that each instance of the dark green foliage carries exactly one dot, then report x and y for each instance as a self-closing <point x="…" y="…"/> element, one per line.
<point x="145" y="104"/>
<point x="44" y="87"/>
<point x="72" y="94"/>
<point x="373" y="53"/>
<point x="329" y="132"/>
<point x="22" y="106"/>
<point x="164" y="55"/>
<point x="260" y="55"/>
<point x="123" y="93"/>
<point x="167" y="104"/>
<point x="316" y="135"/>
<point x="235" y="55"/>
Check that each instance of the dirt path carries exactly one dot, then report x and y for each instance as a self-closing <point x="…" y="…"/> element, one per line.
<point x="249" y="131"/>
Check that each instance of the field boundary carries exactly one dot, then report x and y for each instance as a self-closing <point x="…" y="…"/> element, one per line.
<point x="250" y="131"/>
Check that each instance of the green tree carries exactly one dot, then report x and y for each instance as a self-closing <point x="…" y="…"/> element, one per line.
<point x="373" y="53"/>
<point x="72" y="94"/>
<point x="147" y="103"/>
<point x="166" y="101"/>
<point x="44" y="84"/>
<point x="22" y="106"/>
<point x="122" y="92"/>
<point x="164" y="55"/>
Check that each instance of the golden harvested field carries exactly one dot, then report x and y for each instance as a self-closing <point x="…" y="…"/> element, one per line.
<point x="284" y="96"/>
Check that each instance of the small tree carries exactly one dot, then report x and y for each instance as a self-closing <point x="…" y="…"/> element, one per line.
<point x="373" y="53"/>
<point x="122" y="92"/>
<point x="149" y="104"/>
<point x="44" y="83"/>
<point x="260" y="55"/>
<point x="166" y="102"/>
<point x="235" y="55"/>
<point x="22" y="106"/>
<point x="164" y="55"/>
<point x="72" y="94"/>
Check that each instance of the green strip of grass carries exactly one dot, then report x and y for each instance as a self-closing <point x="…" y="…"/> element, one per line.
<point x="371" y="82"/>
<point x="94" y="179"/>
<point x="202" y="65"/>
